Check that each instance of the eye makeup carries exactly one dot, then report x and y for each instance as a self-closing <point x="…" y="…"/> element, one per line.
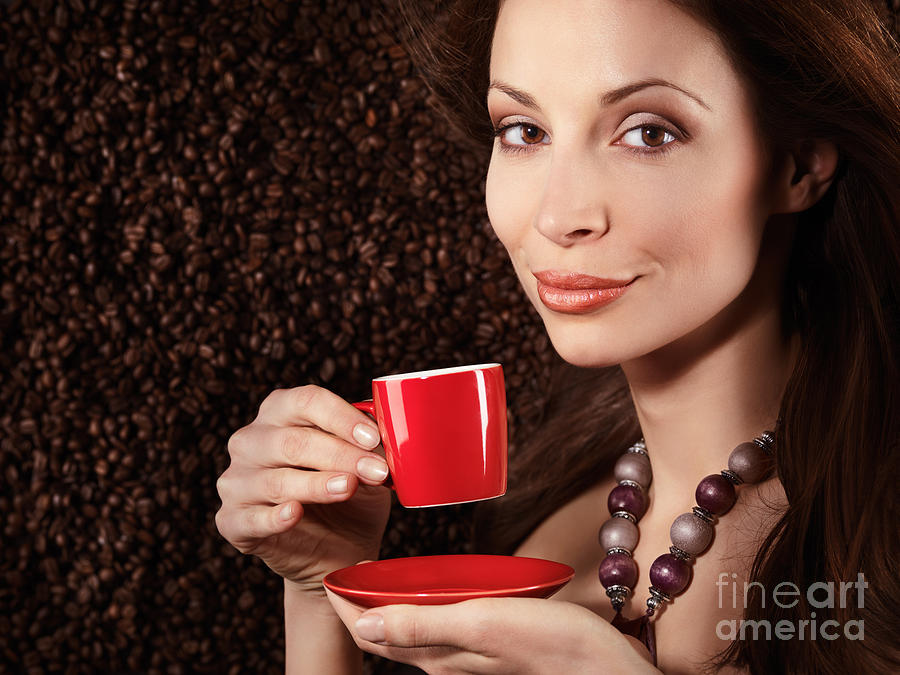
<point x="670" y="134"/>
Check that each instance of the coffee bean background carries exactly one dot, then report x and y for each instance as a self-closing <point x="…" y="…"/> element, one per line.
<point x="202" y="202"/>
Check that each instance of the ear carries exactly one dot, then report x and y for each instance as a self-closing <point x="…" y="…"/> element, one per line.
<point x="807" y="172"/>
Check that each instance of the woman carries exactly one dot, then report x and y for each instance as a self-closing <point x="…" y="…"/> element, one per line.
<point x="724" y="178"/>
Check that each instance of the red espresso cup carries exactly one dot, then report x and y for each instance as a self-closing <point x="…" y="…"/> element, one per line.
<point x="444" y="433"/>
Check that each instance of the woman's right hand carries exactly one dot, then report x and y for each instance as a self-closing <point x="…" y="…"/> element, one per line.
<point x="281" y="495"/>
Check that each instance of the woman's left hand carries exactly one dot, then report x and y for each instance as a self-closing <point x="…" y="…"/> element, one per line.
<point x="495" y="635"/>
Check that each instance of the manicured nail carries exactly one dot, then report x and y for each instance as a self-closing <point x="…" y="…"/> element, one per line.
<point x="287" y="512"/>
<point x="365" y="435"/>
<point x="371" y="627"/>
<point x="372" y="468"/>
<point x="337" y="485"/>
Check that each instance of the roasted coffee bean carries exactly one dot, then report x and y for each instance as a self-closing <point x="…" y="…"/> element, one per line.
<point x="208" y="201"/>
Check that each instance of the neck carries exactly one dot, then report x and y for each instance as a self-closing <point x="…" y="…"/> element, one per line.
<point x="702" y="395"/>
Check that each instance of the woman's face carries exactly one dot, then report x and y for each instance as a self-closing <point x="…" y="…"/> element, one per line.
<point x="627" y="151"/>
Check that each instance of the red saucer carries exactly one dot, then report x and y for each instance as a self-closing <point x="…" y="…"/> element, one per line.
<point x="444" y="579"/>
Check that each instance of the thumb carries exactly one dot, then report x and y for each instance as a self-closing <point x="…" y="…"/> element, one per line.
<point x="418" y="626"/>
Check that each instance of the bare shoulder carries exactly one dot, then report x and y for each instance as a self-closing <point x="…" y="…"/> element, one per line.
<point x="566" y="527"/>
<point x="569" y="535"/>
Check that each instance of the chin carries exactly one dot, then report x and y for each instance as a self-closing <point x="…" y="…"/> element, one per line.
<point x="586" y="354"/>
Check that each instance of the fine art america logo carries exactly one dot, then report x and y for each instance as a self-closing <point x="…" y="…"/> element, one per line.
<point x="819" y="595"/>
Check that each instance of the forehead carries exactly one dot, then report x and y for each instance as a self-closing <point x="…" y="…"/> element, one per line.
<point x="605" y="43"/>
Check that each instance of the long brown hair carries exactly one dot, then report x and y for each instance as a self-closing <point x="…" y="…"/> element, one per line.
<point x="817" y="69"/>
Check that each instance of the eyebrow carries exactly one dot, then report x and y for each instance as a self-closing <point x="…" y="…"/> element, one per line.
<point x="609" y="98"/>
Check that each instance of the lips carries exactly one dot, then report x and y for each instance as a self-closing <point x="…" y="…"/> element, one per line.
<point x="574" y="281"/>
<point x="574" y="293"/>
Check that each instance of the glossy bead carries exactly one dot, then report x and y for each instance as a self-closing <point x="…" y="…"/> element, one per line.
<point x="749" y="462"/>
<point x="634" y="466"/>
<point x="618" y="569"/>
<point x="716" y="494"/>
<point x="691" y="534"/>
<point x="618" y="533"/>
<point x="669" y="574"/>
<point x="627" y="498"/>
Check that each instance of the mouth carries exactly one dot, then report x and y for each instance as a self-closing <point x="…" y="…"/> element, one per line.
<point x="574" y="293"/>
<point x="574" y="281"/>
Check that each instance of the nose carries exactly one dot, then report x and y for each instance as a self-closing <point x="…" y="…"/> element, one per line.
<point x="572" y="208"/>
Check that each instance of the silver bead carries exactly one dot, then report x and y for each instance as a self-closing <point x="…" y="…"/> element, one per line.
<point x="617" y="595"/>
<point x="657" y="598"/>
<point x="617" y="589"/>
<point x="624" y="514"/>
<point x="678" y="553"/>
<point x="691" y="534"/>
<point x="618" y="533"/>
<point x="634" y="467"/>
<point x="659" y="594"/>
<point x="766" y="440"/>
<point x="703" y="514"/>
<point x="732" y="477"/>
<point x="639" y="447"/>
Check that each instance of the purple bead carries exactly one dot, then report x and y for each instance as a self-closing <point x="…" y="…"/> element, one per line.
<point x="716" y="494"/>
<point x="627" y="498"/>
<point x="618" y="569"/>
<point x="619" y="533"/>
<point x="670" y="574"/>
<point x="634" y="466"/>
<point x="691" y="534"/>
<point x="749" y="462"/>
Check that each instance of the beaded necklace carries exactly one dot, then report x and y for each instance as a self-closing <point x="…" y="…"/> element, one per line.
<point x="691" y="533"/>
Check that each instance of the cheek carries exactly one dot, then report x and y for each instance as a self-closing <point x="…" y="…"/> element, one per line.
<point x="702" y="224"/>
<point x="508" y="207"/>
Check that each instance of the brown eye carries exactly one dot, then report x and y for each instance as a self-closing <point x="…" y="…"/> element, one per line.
<point x="648" y="138"/>
<point x="653" y="136"/>
<point x="532" y="134"/>
<point x="515" y="137"/>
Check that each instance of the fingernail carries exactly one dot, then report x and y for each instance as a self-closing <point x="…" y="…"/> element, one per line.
<point x="372" y="468"/>
<point x="337" y="485"/>
<point x="371" y="627"/>
<point x="365" y="435"/>
<point x="287" y="512"/>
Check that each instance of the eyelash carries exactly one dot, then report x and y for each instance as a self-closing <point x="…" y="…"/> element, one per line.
<point x="656" y="153"/>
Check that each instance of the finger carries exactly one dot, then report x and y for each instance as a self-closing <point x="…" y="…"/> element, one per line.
<point x="311" y="404"/>
<point x="247" y="525"/>
<point x="279" y="486"/>
<point x="424" y="658"/>
<point x="346" y="609"/>
<point x="415" y="626"/>
<point x="306" y="447"/>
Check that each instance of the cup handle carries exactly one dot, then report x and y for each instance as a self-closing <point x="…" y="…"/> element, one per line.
<point x="368" y="407"/>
